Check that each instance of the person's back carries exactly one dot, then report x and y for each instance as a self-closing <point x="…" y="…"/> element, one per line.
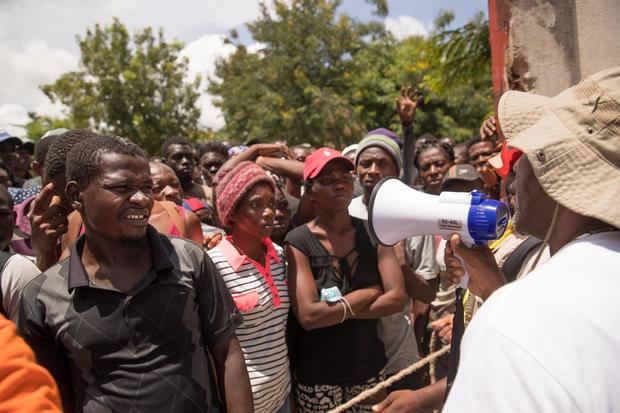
<point x="546" y="342"/>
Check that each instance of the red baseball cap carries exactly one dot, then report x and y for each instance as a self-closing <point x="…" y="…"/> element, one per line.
<point x="504" y="161"/>
<point x="318" y="159"/>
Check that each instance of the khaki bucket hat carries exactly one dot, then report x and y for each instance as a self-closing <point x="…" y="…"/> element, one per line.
<point x="572" y="141"/>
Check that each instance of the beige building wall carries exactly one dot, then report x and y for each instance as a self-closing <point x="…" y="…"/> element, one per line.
<point x="555" y="43"/>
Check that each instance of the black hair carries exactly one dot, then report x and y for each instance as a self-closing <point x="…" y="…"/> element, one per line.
<point x="42" y="146"/>
<point x="477" y="139"/>
<point x="214" y="146"/>
<point x="430" y="144"/>
<point x="56" y="158"/>
<point x="85" y="159"/>
<point x="173" y="140"/>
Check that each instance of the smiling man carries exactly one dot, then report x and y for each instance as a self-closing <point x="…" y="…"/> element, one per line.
<point x="124" y="323"/>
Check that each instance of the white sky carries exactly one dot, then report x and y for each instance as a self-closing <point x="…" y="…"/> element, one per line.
<point x="37" y="42"/>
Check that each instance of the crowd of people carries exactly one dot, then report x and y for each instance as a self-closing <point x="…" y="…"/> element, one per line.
<point x="213" y="277"/>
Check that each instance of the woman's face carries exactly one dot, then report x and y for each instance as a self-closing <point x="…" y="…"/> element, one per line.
<point x="255" y="213"/>
<point x="433" y="165"/>
<point x="332" y="189"/>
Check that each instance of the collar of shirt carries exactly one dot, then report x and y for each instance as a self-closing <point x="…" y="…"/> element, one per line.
<point x="77" y="273"/>
<point x="236" y="259"/>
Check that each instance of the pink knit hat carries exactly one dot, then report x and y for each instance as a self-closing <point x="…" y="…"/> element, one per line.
<point x="233" y="186"/>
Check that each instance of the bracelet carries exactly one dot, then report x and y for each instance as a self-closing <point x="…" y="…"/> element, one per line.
<point x="345" y="301"/>
<point x="344" y="311"/>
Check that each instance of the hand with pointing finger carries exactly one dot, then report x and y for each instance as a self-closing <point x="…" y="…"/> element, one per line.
<point x="48" y="219"/>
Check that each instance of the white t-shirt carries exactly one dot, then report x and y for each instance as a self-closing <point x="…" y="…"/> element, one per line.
<point x="549" y="342"/>
<point x="16" y="274"/>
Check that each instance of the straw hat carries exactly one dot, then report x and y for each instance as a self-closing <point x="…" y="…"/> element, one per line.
<point x="572" y="141"/>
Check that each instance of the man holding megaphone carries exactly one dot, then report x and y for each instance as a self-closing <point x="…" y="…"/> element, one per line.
<point x="548" y="342"/>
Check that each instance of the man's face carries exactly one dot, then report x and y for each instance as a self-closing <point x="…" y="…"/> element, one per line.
<point x="7" y="220"/>
<point x="181" y="160"/>
<point x="118" y="204"/>
<point x="282" y="217"/>
<point x="166" y="185"/>
<point x="460" y="155"/>
<point x="300" y="154"/>
<point x="533" y="208"/>
<point x="434" y="163"/>
<point x="254" y="215"/>
<point x="210" y="163"/>
<point x="479" y="153"/>
<point x="373" y="165"/>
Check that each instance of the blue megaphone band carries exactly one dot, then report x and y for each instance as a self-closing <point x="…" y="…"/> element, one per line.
<point x="487" y="219"/>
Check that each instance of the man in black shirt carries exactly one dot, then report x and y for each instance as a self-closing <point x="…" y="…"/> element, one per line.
<point x="125" y="322"/>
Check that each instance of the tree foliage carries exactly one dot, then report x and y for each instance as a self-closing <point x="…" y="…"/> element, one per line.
<point x="322" y="77"/>
<point x="131" y="86"/>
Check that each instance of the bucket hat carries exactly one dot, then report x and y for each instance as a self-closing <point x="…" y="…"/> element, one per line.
<point x="572" y="141"/>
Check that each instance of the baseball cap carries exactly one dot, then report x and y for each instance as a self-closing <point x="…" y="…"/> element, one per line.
<point x="5" y="137"/>
<point x="462" y="172"/>
<point x="504" y="161"/>
<point x="316" y="161"/>
<point x="572" y="141"/>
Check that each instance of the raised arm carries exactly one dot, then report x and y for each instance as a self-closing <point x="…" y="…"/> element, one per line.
<point x="310" y="311"/>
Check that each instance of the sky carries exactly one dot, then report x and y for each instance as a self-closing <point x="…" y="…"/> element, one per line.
<point x="38" y="39"/>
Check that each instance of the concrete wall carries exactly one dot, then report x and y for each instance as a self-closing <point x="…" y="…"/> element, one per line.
<point x="552" y="44"/>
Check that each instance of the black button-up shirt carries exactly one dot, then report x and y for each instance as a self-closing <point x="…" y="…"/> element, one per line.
<point x="141" y="351"/>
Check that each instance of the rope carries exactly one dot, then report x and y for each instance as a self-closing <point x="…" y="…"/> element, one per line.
<point x="432" y="368"/>
<point x="387" y="383"/>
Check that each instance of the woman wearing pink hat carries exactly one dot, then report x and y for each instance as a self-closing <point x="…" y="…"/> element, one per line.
<point x="254" y="271"/>
<point x="339" y="283"/>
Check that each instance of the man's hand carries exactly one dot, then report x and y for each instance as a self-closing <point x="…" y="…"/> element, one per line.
<point x="48" y="219"/>
<point x="484" y="275"/>
<point x="211" y="240"/>
<point x="488" y="128"/>
<point x="270" y="149"/>
<point x="401" y="256"/>
<point x="402" y="401"/>
<point x="443" y="327"/>
<point x="407" y="103"/>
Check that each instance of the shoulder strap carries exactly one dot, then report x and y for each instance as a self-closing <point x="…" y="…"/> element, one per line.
<point x="174" y="215"/>
<point x="4" y="258"/>
<point x="513" y="263"/>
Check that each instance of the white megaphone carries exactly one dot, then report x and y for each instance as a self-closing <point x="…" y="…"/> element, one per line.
<point x="396" y="212"/>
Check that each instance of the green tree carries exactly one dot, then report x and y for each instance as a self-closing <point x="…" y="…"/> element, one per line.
<point x="131" y="86"/>
<point x="39" y="125"/>
<point x="322" y="77"/>
<point x="298" y="87"/>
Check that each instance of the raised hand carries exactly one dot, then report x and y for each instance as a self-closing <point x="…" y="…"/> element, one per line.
<point x="48" y="219"/>
<point x="407" y="103"/>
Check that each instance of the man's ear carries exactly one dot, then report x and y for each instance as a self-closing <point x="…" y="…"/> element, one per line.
<point x="74" y="194"/>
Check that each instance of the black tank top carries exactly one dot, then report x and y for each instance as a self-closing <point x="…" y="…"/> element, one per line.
<point x="347" y="353"/>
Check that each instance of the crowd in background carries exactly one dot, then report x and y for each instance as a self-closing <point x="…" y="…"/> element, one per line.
<point x="221" y="277"/>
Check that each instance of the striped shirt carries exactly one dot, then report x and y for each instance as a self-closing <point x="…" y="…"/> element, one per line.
<point x="261" y="294"/>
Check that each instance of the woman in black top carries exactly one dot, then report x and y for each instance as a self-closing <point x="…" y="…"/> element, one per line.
<point x="339" y="285"/>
